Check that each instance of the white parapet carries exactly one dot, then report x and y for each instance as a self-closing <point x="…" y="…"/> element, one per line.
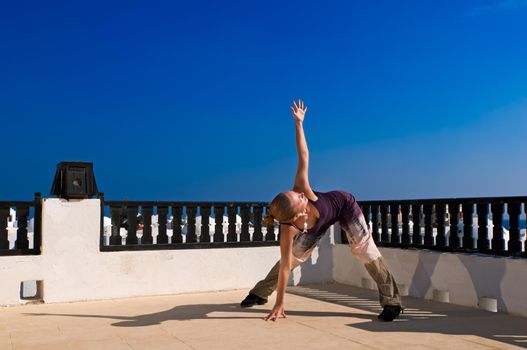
<point x="72" y="268"/>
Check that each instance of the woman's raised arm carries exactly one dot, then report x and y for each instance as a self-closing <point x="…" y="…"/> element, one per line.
<point x="301" y="183"/>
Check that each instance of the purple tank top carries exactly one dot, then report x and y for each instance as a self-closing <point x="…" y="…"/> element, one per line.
<point x="333" y="206"/>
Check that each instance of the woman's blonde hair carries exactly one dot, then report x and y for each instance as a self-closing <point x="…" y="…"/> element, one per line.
<point x="280" y="209"/>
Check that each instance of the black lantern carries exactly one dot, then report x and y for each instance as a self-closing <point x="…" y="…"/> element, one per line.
<point x="74" y="180"/>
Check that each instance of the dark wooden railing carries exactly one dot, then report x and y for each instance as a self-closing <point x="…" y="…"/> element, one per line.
<point x="132" y="226"/>
<point x="22" y="244"/>
<point x="427" y="224"/>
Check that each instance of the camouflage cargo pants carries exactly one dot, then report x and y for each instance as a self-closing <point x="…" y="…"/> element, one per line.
<point x="362" y="246"/>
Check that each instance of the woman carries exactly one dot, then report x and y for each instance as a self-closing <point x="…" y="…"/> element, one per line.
<point x="304" y="216"/>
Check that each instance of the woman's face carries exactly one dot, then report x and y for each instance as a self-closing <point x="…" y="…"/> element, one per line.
<point x="298" y="201"/>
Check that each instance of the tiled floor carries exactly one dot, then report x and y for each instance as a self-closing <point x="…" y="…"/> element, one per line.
<point x="328" y="316"/>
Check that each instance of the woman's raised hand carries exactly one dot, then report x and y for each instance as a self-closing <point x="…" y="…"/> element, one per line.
<point x="299" y="111"/>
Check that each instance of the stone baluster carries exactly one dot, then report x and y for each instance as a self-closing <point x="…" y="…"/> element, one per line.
<point x="467" y="209"/>
<point x="514" y="211"/>
<point x="231" y="233"/>
<point x="405" y="213"/>
<point x="204" y="211"/>
<point x="147" y="225"/>
<point x="257" y="214"/>
<point x="416" y="218"/>
<point x="22" y="213"/>
<point x="191" y="225"/>
<point x="441" y="230"/>
<point x="385" y="237"/>
<point x="162" y="237"/>
<point x="429" y="236"/>
<point x="246" y="217"/>
<point x="482" y="210"/>
<point x="219" y="210"/>
<point x="394" y="213"/>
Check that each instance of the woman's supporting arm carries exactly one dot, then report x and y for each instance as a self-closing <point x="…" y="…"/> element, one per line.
<point x="287" y="234"/>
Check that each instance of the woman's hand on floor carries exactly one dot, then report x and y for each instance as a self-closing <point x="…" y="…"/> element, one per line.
<point x="278" y="310"/>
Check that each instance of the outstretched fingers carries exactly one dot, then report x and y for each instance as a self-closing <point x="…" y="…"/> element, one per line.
<point x="298" y="109"/>
<point x="301" y="105"/>
<point x="275" y="313"/>
<point x="271" y="317"/>
<point x="274" y="316"/>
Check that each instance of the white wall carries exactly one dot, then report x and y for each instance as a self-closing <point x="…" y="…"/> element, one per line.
<point x="72" y="268"/>
<point x="428" y="274"/>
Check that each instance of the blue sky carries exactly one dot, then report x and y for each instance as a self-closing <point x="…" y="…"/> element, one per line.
<point x="190" y="100"/>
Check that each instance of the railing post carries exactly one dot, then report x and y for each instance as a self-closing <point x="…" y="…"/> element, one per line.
<point x="514" y="246"/>
<point x="231" y="212"/>
<point x="453" y="239"/>
<point x="525" y="243"/>
<point x="162" y="237"/>
<point x="440" y="217"/>
<point x="416" y="218"/>
<point x="468" y="242"/>
<point x="245" y="214"/>
<point x="177" y="213"/>
<point x="366" y="211"/>
<point x="147" y="225"/>
<point x="257" y="214"/>
<point x="205" y="232"/>
<point x="37" y="222"/>
<point x="131" y="237"/>
<point x="102" y="242"/>
<point x="22" y="213"/>
<point x="394" y="213"/>
<point x="270" y="235"/>
<point x="4" y="214"/>
<point x="116" y="213"/>
<point x="482" y="210"/>
<point x="429" y="236"/>
<point x="385" y="237"/>
<point x="498" y="242"/>
<point x="405" y="213"/>
<point x="375" y="223"/>
<point x="191" y="225"/>
<point x="219" y="210"/>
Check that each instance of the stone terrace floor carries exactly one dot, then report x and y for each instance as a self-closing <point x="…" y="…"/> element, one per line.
<point x="329" y="316"/>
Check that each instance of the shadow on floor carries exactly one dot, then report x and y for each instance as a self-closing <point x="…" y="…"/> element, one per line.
<point x="423" y="316"/>
<point x="202" y="312"/>
<point x="420" y="315"/>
